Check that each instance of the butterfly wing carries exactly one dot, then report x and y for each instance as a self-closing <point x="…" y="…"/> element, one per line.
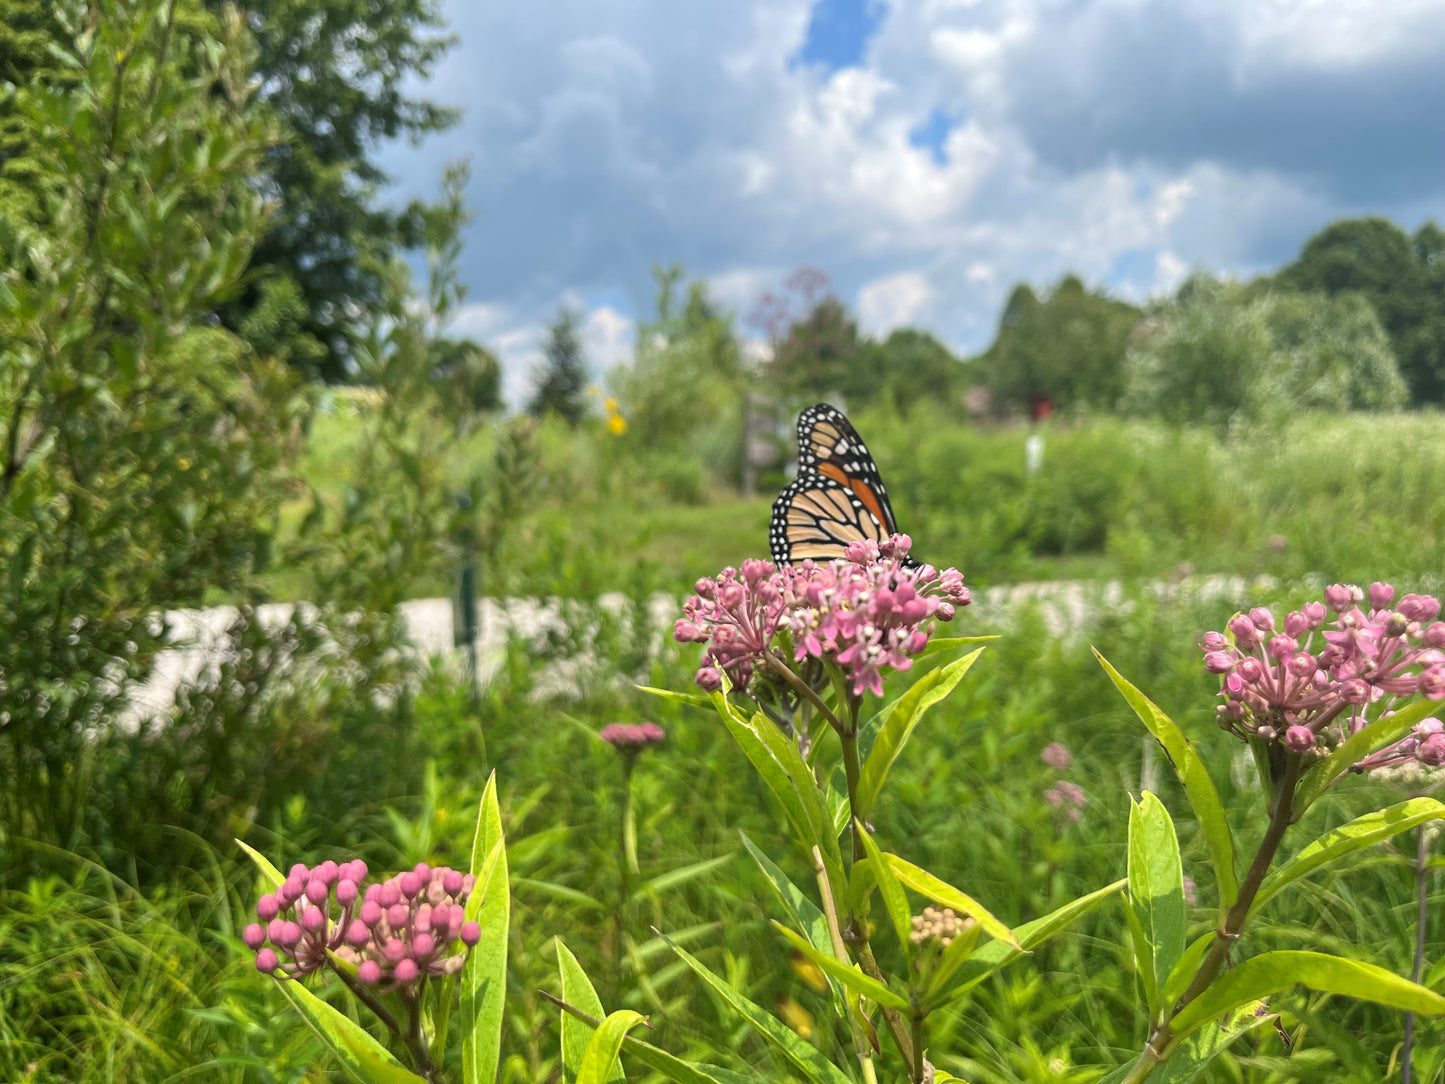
<point x="830" y="449"/>
<point x="816" y="518"/>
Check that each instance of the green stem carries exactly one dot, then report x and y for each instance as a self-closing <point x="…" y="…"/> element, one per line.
<point x="1230" y="930"/>
<point x="803" y="689"/>
<point x="852" y="770"/>
<point x="1422" y="889"/>
<point x="861" y="1046"/>
<point x="917" y="1047"/>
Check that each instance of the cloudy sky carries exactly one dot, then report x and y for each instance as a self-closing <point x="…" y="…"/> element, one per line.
<point x="925" y="154"/>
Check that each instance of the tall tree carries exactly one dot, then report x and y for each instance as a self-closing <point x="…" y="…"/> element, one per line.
<point x="562" y="378"/>
<point x="1374" y="257"/>
<point x="28" y="30"/>
<point x="335" y="75"/>
<point x="1068" y="348"/>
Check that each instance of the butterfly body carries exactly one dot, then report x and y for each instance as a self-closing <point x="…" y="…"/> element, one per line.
<point x="837" y="498"/>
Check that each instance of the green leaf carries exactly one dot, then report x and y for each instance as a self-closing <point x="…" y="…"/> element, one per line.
<point x="1198" y="786"/>
<point x="484" y="979"/>
<point x="994" y="955"/>
<point x="600" y="1058"/>
<point x="1355" y="748"/>
<point x="804" y="1056"/>
<point x="1186" y="968"/>
<point x="269" y="873"/>
<point x="894" y="898"/>
<point x="1196" y="1052"/>
<point x="1358" y="834"/>
<point x="561" y="892"/>
<point x="671" y="1067"/>
<point x="692" y="700"/>
<point x="955" y="954"/>
<point x="577" y="991"/>
<point x="806" y="915"/>
<point x="1273" y="972"/>
<point x="1143" y="959"/>
<point x="672" y="878"/>
<point x="926" y="884"/>
<point x="899" y="723"/>
<point x="1156" y="890"/>
<point x="361" y="1057"/>
<point x="848" y="974"/>
<point x="782" y="769"/>
<point x="948" y="643"/>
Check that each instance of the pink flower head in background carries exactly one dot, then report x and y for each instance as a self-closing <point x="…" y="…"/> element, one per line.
<point x="1056" y="756"/>
<point x="1294" y="681"/>
<point x="1068" y="798"/>
<point x="632" y="737"/>
<point x="396" y="931"/>
<point x="867" y="611"/>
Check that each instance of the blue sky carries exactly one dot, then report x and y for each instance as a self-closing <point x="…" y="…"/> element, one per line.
<point x="925" y="154"/>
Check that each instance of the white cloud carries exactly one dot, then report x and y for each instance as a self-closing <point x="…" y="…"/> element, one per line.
<point x="1169" y="274"/>
<point x="608" y="138"/>
<point x="891" y="302"/>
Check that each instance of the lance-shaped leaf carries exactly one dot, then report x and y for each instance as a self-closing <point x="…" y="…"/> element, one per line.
<point x="1356" y="747"/>
<point x="939" y="891"/>
<point x="993" y="955"/>
<point x="1186" y="968"/>
<point x="894" y="899"/>
<point x="361" y="1057"/>
<point x="1358" y="834"/>
<point x="1156" y="891"/>
<point x="671" y="1067"/>
<point x="1273" y="972"/>
<point x="692" y="700"/>
<point x="1198" y="786"/>
<point x="1196" y="1052"/>
<point x="269" y="873"/>
<point x="899" y="724"/>
<point x="484" y="979"/>
<point x="805" y="1057"/>
<point x="674" y="877"/>
<point x="600" y="1058"/>
<point x="577" y="991"/>
<point x="846" y="973"/>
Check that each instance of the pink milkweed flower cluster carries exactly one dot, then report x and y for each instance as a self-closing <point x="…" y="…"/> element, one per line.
<point x="866" y="611"/>
<point x="1068" y="798"/>
<point x="1290" y="681"/>
<point x="394" y="931"/>
<point x="631" y="737"/>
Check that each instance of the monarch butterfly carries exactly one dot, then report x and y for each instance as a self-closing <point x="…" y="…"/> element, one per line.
<point x="837" y="497"/>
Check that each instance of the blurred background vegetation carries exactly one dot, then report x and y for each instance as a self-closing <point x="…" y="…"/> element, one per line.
<point x="227" y="375"/>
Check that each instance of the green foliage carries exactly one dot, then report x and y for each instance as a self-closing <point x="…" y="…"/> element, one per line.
<point x="1068" y="348"/>
<point x="908" y="367"/>
<point x="1403" y="280"/>
<point x="818" y="356"/>
<point x="1223" y="355"/>
<point x="335" y="78"/>
<point x="562" y="379"/>
<point x="140" y="449"/>
<point x="27" y="28"/>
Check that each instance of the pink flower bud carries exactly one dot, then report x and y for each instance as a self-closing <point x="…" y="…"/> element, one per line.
<point x="289" y="936"/>
<point x="441" y="914"/>
<point x="1296" y="624"/>
<point x="405" y="972"/>
<point x="1251" y="670"/>
<point x="410" y="885"/>
<point x="274" y="928"/>
<point x="1214" y="641"/>
<point x="389" y="895"/>
<point x="1302" y="664"/>
<point x="1299" y="739"/>
<point x="371" y="912"/>
<point x="708" y="679"/>
<point x="266" y="961"/>
<point x="1218" y="662"/>
<point x="394" y="950"/>
<point x="1262" y="618"/>
<point x="369" y="972"/>
<point x="328" y="871"/>
<point x="313" y="920"/>
<point x="346" y="892"/>
<point x="397" y="915"/>
<point x="267" y="908"/>
<point x="254" y="936"/>
<point x="1431" y="750"/>
<point x="423" y="945"/>
<point x="422" y="921"/>
<point x="471" y="933"/>
<point x="1281" y="646"/>
<point x="423" y="871"/>
<point x="1339" y="597"/>
<point x="1432" y="683"/>
<point x="317" y="891"/>
<point x="685" y="632"/>
<point x="358" y="933"/>
<point x="1314" y="613"/>
<point x="1246" y="634"/>
<point x="452" y="882"/>
<point x="1355" y="691"/>
<point x="300" y="871"/>
<point x="1428" y="726"/>
<point x="291" y="890"/>
<point x="1381" y="595"/>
